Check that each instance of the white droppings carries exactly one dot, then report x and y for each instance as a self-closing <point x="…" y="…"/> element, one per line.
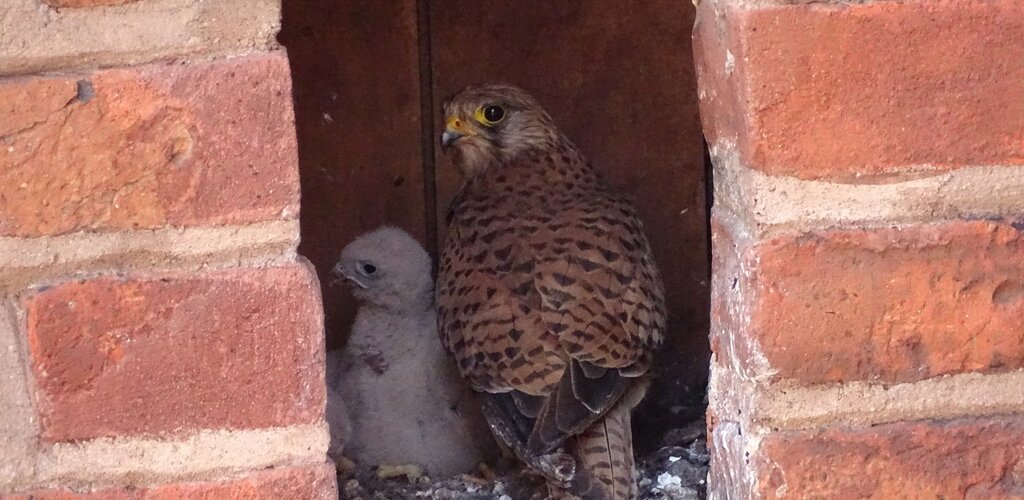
<point x="668" y="481"/>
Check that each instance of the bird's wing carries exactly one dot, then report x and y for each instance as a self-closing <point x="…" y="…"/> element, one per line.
<point x="489" y="309"/>
<point x="602" y="295"/>
<point x="558" y="308"/>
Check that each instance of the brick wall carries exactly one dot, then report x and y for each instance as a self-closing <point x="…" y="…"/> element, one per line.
<point x="159" y="337"/>
<point x="868" y="241"/>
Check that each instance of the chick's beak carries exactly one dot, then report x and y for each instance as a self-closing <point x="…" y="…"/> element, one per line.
<point x="338" y="275"/>
<point x="342" y="275"/>
<point x="455" y="129"/>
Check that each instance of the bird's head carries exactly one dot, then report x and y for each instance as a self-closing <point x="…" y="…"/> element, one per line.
<point x="389" y="269"/>
<point x="495" y="124"/>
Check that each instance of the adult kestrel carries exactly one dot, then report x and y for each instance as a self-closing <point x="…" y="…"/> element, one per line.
<point x="547" y="293"/>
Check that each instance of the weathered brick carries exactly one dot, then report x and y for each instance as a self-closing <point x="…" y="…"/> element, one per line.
<point x="298" y="483"/>
<point x="890" y="304"/>
<point x="57" y="494"/>
<point x="240" y="348"/>
<point x="36" y="39"/>
<point x="147" y="147"/>
<point x="964" y="458"/>
<point x="59" y="4"/>
<point x="821" y="90"/>
<point x="17" y="428"/>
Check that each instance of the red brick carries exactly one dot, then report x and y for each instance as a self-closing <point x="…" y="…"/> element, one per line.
<point x="240" y="348"/>
<point x="841" y="89"/>
<point x="298" y="483"/>
<point x="149" y="146"/>
<point x="970" y="458"/>
<point x="889" y="304"/>
<point x="59" y="4"/>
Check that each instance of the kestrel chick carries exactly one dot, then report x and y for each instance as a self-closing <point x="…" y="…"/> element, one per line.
<point x="405" y="400"/>
<point x="547" y="293"/>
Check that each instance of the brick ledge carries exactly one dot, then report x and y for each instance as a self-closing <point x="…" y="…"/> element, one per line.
<point x="785" y="405"/>
<point x="27" y="261"/>
<point x="206" y="455"/>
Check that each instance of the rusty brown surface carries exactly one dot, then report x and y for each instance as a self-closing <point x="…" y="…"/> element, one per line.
<point x="356" y="85"/>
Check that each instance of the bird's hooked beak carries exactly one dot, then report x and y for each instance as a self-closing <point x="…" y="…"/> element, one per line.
<point x="455" y="129"/>
<point x="340" y="274"/>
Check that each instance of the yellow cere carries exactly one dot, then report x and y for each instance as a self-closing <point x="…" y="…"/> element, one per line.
<point x="453" y="123"/>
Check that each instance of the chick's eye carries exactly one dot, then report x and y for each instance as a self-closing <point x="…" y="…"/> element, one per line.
<point x="493" y="114"/>
<point x="367" y="269"/>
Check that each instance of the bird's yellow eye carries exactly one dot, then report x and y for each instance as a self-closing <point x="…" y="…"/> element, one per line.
<point x="490" y="115"/>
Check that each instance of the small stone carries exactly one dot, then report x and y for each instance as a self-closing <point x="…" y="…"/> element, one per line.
<point x="343" y="464"/>
<point x="684" y="435"/>
<point x="412" y="472"/>
<point x="666" y="480"/>
<point x="351" y="488"/>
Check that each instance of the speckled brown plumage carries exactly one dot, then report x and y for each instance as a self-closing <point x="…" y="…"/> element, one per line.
<point x="548" y="296"/>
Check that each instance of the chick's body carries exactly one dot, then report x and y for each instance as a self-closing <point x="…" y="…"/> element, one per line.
<point x="403" y="395"/>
